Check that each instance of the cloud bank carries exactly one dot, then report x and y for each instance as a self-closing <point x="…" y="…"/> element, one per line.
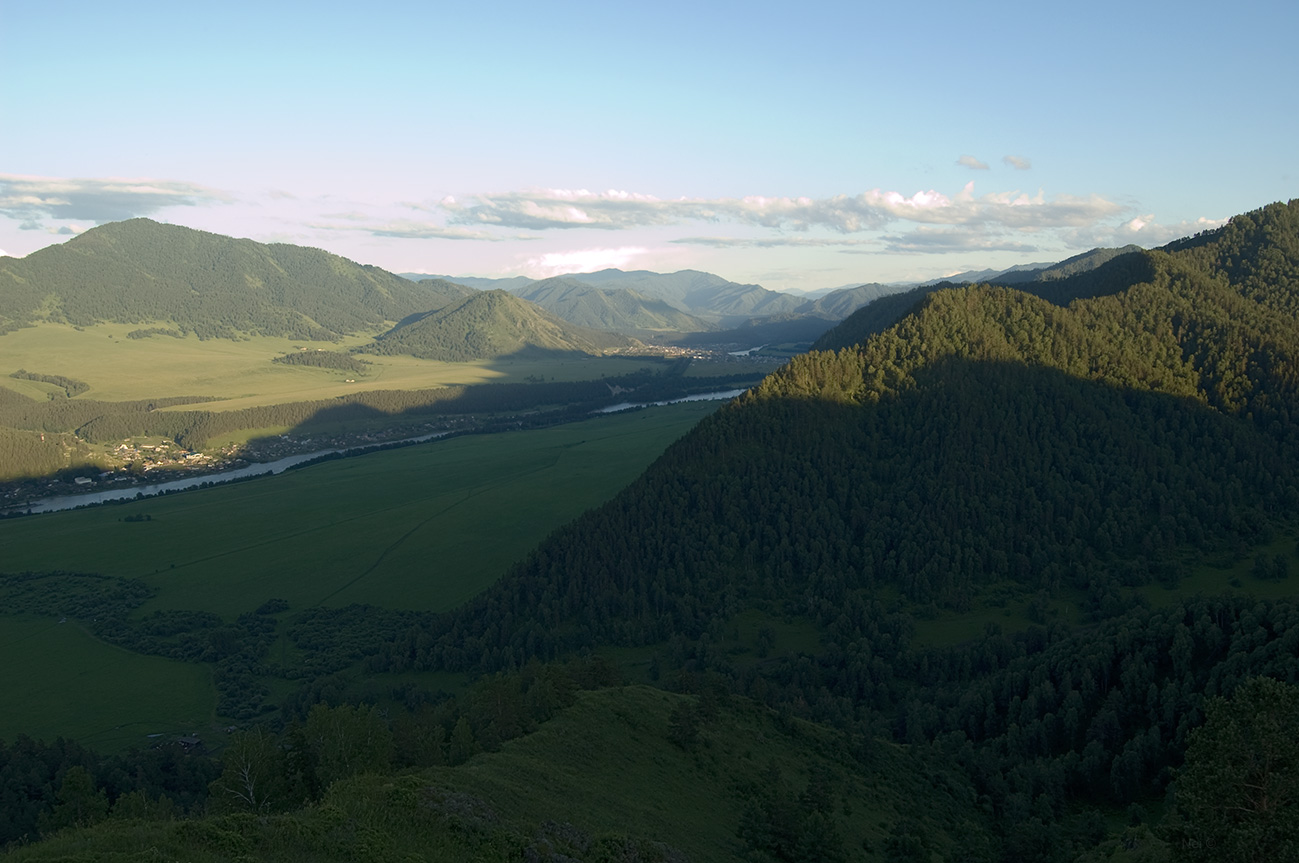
<point x="580" y="261"/>
<point x="615" y="210"/>
<point x="31" y="199"/>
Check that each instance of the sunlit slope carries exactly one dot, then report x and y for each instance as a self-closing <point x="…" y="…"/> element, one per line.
<point x="990" y="442"/>
<point x="167" y="276"/>
<point x="489" y="325"/>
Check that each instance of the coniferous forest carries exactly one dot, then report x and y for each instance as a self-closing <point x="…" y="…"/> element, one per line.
<point x="760" y="616"/>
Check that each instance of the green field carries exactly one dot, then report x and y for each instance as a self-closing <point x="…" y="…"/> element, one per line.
<point x="424" y="527"/>
<point x="62" y="681"/>
<point x="241" y="372"/>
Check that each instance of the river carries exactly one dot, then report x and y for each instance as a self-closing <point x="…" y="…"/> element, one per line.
<point x="697" y="397"/>
<point x="72" y="501"/>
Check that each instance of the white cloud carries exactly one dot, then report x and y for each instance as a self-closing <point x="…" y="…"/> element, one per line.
<point x="873" y="210"/>
<point x="1141" y="230"/>
<point x="770" y="242"/>
<point x="96" y="200"/>
<point x="926" y="240"/>
<point x="1019" y="163"/>
<point x="968" y="161"/>
<point x="404" y="229"/>
<point x="579" y="261"/>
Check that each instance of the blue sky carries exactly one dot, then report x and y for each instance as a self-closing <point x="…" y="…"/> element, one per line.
<point x="800" y="148"/>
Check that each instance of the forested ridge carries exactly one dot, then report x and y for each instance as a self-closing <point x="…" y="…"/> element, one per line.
<point x="1060" y="455"/>
<point x="140" y="271"/>
<point x="993" y="442"/>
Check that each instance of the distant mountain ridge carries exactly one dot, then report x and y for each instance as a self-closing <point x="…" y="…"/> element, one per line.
<point x="141" y="271"/>
<point x="616" y="309"/>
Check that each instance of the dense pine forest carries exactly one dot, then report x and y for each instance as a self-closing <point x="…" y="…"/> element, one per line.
<point x="769" y="612"/>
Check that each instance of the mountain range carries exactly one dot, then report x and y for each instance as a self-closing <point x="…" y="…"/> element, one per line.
<point x="1077" y="457"/>
<point x="188" y="281"/>
<point x="1002" y="578"/>
<point x="140" y="271"/>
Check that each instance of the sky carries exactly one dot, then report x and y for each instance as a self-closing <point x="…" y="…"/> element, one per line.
<point x="797" y="147"/>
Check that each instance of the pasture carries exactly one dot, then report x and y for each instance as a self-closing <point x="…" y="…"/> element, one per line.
<point x="241" y="372"/>
<point x="425" y="527"/>
<point x="62" y="681"/>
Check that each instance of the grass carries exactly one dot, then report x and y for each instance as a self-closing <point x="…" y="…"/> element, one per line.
<point x="424" y="527"/>
<point x="604" y="767"/>
<point x="65" y="682"/>
<point x="1233" y="574"/>
<point x="241" y="373"/>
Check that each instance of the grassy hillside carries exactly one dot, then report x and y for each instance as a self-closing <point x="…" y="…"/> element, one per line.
<point x="142" y="272"/>
<point x="600" y="781"/>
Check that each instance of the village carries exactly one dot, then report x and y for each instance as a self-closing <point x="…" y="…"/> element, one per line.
<point x="140" y="463"/>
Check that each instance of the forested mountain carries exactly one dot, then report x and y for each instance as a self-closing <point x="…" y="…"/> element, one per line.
<point x="1073" y="266"/>
<point x="1057" y="462"/>
<point x="1093" y="274"/>
<point x="487" y="325"/>
<point x="616" y="309"/>
<point x="140" y="271"/>
<point x="841" y="303"/>
<point x="478" y="283"/>
<point x="1021" y="273"/>
<point x="772" y="330"/>
<point x="450" y="290"/>
<point x="698" y="293"/>
<point x="991" y="445"/>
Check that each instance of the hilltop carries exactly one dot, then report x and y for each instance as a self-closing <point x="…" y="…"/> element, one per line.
<point x="491" y="324"/>
<point x="140" y="271"/>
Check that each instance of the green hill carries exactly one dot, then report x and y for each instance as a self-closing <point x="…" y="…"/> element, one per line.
<point x="140" y="271"/>
<point x="618" y="309"/>
<point x="839" y="304"/>
<point x="994" y="459"/>
<point x="491" y="324"/>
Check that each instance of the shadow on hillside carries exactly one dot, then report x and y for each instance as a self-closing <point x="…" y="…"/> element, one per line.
<point x="365" y="418"/>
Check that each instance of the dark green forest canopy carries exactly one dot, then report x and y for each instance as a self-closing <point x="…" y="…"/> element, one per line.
<point x="141" y="271"/>
<point x="991" y="437"/>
